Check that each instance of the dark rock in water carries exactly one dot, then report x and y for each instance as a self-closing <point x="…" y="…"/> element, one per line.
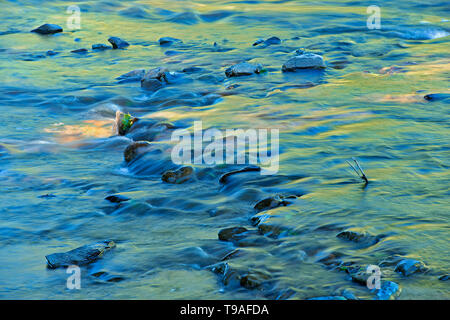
<point x="116" y="198"/>
<point x="243" y="69"/>
<point x="254" y="279"/>
<point x="134" y="149"/>
<point x="171" y="53"/>
<point x="437" y="96"/>
<point x="408" y="267"/>
<point x="178" y="176"/>
<point x="363" y="238"/>
<point x="123" y="122"/>
<point x="328" y="298"/>
<point x="192" y="69"/>
<point x="107" y="277"/>
<point x="82" y="50"/>
<point x="51" y="53"/>
<point x="273" y="202"/>
<point x="444" y="277"/>
<point x="48" y="28"/>
<point x="272" y="40"/>
<point x="154" y="79"/>
<point x="47" y="196"/>
<point x="100" y="46"/>
<point x="232" y="234"/>
<point x="167" y="41"/>
<point x="259" y="41"/>
<point x="304" y="61"/>
<point x="118" y="43"/>
<point x="79" y="256"/>
<point x="134" y="75"/>
<point x="224" y="177"/>
<point x="387" y="291"/>
<point x="184" y="18"/>
<point x="360" y="277"/>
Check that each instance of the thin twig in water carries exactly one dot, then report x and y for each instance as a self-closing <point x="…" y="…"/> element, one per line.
<point x="360" y="173"/>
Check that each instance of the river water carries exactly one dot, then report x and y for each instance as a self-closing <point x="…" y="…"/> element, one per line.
<point x="59" y="158"/>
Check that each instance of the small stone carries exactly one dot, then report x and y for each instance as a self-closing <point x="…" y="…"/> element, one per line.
<point x="304" y="61"/>
<point x="167" y="41"/>
<point x="178" y="176"/>
<point x="116" y="198"/>
<point x="387" y="291"/>
<point x="271" y="203"/>
<point x="272" y="40"/>
<point x="444" y="277"/>
<point x="79" y="256"/>
<point x="48" y="28"/>
<point x="118" y="43"/>
<point x="82" y="50"/>
<point x="232" y="234"/>
<point x="134" y="149"/>
<point x="100" y="46"/>
<point x="243" y="69"/>
<point x="51" y="53"/>
<point x="408" y="267"/>
<point x="254" y="279"/>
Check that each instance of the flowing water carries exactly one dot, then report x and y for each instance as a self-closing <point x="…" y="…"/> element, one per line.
<point x="59" y="158"/>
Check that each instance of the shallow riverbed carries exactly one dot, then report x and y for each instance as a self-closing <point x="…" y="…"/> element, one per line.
<point x="59" y="158"/>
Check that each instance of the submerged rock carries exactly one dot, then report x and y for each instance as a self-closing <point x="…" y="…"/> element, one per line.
<point x="268" y="42"/>
<point x="232" y="234"/>
<point x="82" y="50"/>
<point x="254" y="279"/>
<point x="444" y="277"/>
<point x="437" y="96"/>
<point x="167" y="41"/>
<point x="243" y="69"/>
<point x="408" y="267"/>
<point x="48" y="28"/>
<point x="134" y="149"/>
<point x="123" y="123"/>
<point x="104" y="276"/>
<point x="358" y="237"/>
<point x="223" y="178"/>
<point x="178" y="176"/>
<point x="118" y="43"/>
<point x="79" y="256"/>
<point x="134" y="75"/>
<point x="387" y="291"/>
<point x="100" y="46"/>
<point x="304" y="61"/>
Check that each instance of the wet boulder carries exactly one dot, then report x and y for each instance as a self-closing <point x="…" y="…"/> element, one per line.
<point x="232" y="234"/>
<point x="444" y="277"/>
<point x="79" y="256"/>
<point x="154" y="79"/>
<point x="179" y="175"/>
<point x="167" y="41"/>
<point x="48" y="28"/>
<point x="123" y="122"/>
<point x="408" y="267"/>
<point x="254" y="279"/>
<point x="135" y="149"/>
<point x="118" y="43"/>
<point x="243" y="69"/>
<point x="268" y="42"/>
<point x="304" y="61"/>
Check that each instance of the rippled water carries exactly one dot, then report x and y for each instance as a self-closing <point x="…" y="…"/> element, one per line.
<point x="56" y="140"/>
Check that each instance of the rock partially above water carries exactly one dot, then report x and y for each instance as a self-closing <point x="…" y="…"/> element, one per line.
<point x="116" y="198"/>
<point x="243" y="69"/>
<point x="304" y="61"/>
<point x="232" y="234"/>
<point x="79" y="256"/>
<point x="134" y="75"/>
<point x="134" y="149"/>
<point x="178" y="176"/>
<point x="268" y="42"/>
<point x="408" y="267"/>
<point x="167" y="41"/>
<point x="154" y="79"/>
<point x="123" y="122"/>
<point x="273" y="202"/>
<point x="359" y="237"/>
<point x="118" y="43"/>
<point x="444" y="277"/>
<point x="387" y="291"/>
<point x="48" y="28"/>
